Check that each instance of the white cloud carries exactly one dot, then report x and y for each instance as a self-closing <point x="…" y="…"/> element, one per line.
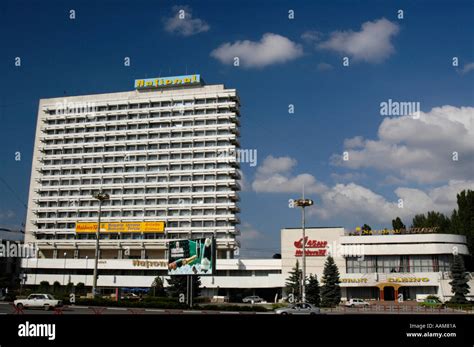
<point x="312" y="36"/>
<point x="271" y="49"/>
<point x="418" y="150"/>
<point x="249" y="233"/>
<point x="371" y="44"/>
<point x="467" y="68"/>
<point x="355" y="142"/>
<point x="350" y="176"/>
<point x="361" y="205"/>
<point x="274" y="176"/>
<point x="325" y="67"/>
<point x="186" y="26"/>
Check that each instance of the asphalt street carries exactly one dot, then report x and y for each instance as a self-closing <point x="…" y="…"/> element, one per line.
<point x="7" y="308"/>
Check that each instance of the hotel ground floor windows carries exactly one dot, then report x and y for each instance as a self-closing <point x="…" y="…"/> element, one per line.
<point x="388" y="293"/>
<point x="397" y="263"/>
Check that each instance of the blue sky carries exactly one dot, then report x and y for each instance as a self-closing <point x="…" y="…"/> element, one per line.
<point x="298" y="62"/>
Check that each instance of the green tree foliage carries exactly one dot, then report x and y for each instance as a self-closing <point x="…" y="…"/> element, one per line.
<point x="81" y="289"/>
<point x="177" y="285"/>
<point x="157" y="288"/>
<point x="366" y="227"/>
<point x="459" y="284"/>
<point x="57" y="288"/>
<point x="397" y="224"/>
<point x="433" y="219"/>
<point x="44" y="287"/>
<point x="330" y="291"/>
<point x="293" y="282"/>
<point x="464" y="219"/>
<point x="313" y="291"/>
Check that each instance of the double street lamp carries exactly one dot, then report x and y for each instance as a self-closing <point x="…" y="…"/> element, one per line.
<point x="101" y="196"/>
<point x="303" y="203"/>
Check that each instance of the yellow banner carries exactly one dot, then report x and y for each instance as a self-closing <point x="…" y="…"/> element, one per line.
<point x="130" y="227"/>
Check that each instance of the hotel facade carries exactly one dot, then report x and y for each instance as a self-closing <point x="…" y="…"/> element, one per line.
<point x="165" y="153"/>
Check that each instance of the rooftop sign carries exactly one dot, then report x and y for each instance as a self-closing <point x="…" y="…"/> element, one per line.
<point x="174" y="81"/>
<point x="130" y="227"/>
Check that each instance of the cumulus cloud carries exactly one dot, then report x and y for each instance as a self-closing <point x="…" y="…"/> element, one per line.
<point x="249" y="233"/>
<point x="362" y="205"/>
<point x="371" y="44"/>
<point x="325" y="67"/>
<point x="271" y="49"/>
<point x="467" y="68"/>
<point x="182" y="22"/>
<point x="311" y="36"/>
<point x="418" y="150"/>
<point x="274" y="176"/>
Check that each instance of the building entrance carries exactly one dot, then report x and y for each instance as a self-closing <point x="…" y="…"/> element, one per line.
<point x="389" y="293"/>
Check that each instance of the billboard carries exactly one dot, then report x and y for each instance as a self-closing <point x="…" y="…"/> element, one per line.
<point x="131" y="227"/>
<point x="174" y="81"/>
<point x="192" y="257"/>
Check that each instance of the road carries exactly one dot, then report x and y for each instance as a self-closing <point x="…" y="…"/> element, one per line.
<point x="7" y="308"/>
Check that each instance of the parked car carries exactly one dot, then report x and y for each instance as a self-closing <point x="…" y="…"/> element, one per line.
<point x="356" y="303"/>
<point x="252" y="299"/>
<point x="301" y="308"/>
<point x="44" y="301"/>
<point x="130" y="296"/>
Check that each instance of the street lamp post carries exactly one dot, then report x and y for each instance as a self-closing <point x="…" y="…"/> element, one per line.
<point x="85" y="283"/>
<point x="303" y="203"/>
<point x="101" y="196"/>
<point x="64" y="273"/>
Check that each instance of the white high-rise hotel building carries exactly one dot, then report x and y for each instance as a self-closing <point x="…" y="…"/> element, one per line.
<point x="162" y="153"/>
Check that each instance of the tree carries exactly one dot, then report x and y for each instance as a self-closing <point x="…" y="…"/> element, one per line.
<point x="293" y="282"/>
<point x="157" y="288"/>
<point x="69" y="288"/>
<point x="465" y="200"/>
<point x="80" y="289"/>
<point x="178" y="284"/>
<point x="56" y="288"/>
<point x="397" y="224"/>
<point x="312" y="291"/>
<point x="433" y="219"/>
<point x="330" y="291"/>
<point x="366" y="227"/>
<point x="44" y="287"/>
<point x="459" y="284"/>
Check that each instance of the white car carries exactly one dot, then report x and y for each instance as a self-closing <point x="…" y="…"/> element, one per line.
<point x="44" y="301"/>
<point x="357" y="303"/>
<point x="301" y="308"/>
<point x="252" y="299"/>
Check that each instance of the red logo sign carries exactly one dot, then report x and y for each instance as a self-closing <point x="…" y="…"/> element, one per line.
<point x="320" y="252"/>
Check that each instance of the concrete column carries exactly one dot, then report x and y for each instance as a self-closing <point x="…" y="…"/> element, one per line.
<point x="55" y="254"/>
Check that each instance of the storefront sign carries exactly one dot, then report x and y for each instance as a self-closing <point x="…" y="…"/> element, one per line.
<point x="138" y="227"/>
<point x="354" y="280"/>
<point x="150" y="263"/>
<point x="309" y="246"/>
<point x="407" y="279"/>
<point x="168" y="81"/>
